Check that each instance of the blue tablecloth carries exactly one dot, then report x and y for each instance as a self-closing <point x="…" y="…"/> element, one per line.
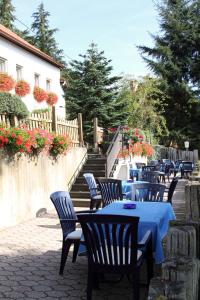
<point x="135" y="173"/>
<point x="127" y="187"/>
<point x="154" y="216"/>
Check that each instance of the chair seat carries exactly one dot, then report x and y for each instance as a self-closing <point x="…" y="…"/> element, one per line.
<point x="74" y="235"/>
<point x="97" y="197"/>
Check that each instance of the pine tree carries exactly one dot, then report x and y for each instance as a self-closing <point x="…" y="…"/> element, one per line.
<point x="7" y="17"/>
<point x="173" y="59"/>
<point x="44" y="36"/>
<point x="91" y="90"/>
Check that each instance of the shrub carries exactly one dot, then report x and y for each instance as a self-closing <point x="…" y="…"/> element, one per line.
<point x="7" y="83"/>
<point x="22" y="88"/>
<point x="12" y="105"/>
<point x="39" y="94"/>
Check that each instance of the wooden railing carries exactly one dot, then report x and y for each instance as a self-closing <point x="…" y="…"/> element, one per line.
<point x="112" y="152"/>
<point x="52" y="123"/>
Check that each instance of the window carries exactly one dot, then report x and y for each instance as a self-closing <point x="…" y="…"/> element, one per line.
<point x="19" y="72"/>
<point x="3" y="64"/>
<point x="37" y="79"/>
<point x="48" y="85"/>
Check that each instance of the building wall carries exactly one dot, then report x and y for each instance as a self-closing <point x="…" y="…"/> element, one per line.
<point x="32" y="64"/>
<point x="26" y="185"/>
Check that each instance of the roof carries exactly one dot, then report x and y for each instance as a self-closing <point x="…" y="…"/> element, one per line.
<point x="17" y="40"/>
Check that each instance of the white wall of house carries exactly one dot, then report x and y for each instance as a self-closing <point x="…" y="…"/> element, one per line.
<point x="31" y="64"/>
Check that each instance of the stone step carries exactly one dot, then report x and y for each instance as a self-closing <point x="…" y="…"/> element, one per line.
<point x="97" y="161"/>
<point x="79" y="187"/>
<point x="80" y="194"/>
<point x="93" y="167"/>
<point x="96" y="173"/>
<point x="81" y="202"/>
<point x="94" y="156"/>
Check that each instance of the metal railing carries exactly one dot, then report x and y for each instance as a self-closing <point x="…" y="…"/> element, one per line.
<point x="112" y="152"/>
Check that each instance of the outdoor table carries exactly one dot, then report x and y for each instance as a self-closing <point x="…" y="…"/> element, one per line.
<point x="154" y="216"/>
<point x="127" y="187"/>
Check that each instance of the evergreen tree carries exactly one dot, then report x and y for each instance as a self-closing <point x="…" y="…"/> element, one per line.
<point x="146" y="106"/>
<point x="175" y="58"/>
<point x="92" y="91"/>
<point x="44" y="36"/>
<point x="7" y="17"/>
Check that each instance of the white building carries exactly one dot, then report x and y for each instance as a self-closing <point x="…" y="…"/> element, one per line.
<point x="21" y="60"/>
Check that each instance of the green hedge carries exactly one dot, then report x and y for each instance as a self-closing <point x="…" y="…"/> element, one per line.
<point x="12" y="105"/>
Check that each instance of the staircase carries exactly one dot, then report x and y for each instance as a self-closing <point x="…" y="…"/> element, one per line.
<point x="79" y="193"/>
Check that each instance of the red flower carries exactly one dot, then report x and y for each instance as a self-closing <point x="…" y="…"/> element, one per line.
<point x="22" y="88"/>
<point x="39" y="94"/>
<point x="7" y="83"/>
<point x="52" y="98"/>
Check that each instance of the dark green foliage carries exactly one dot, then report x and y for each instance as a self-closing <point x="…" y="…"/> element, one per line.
<point x="7" y="17"/>
<point x="175" y="58"/>
<point x="12" y="105"/>
<point x="44" y="36"/>
<point x="91" y="90"/>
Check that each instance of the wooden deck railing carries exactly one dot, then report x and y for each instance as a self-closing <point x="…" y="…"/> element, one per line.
<point x="52" y="123"/>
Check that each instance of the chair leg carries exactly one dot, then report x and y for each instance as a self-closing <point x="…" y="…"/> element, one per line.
<point x="98" y="204"/>
<point x="136" y="286"/>
<point x="91" y="204"/>
<point x="65" y="251"/>
<point x="149" y="262"/>
<point x="75" y="253"/>
<point x="89" y="285"/>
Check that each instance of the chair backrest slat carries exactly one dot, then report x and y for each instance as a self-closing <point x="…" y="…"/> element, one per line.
<point x="111" y="190"/>
<point x="92" y="185"/>
<point x="65" y="211"/>
<point x="148" y="192"/>
<point x="111" y="240"/>
<point x="150" y="176"/>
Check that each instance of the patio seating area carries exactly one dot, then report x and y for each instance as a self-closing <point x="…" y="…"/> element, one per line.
<point x="30" y="259"/>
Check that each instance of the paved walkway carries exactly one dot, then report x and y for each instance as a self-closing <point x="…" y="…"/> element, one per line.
<point x="29" y="264"/>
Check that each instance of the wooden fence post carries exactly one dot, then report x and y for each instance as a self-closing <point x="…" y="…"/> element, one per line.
<point x="54" y="119"/>
<point x="95" y="137"/>
<point x="80" y="130"/>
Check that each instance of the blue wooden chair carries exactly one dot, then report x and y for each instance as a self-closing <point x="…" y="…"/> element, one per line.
<point x="186" y="168"/>
<point x="95" y="196"/>
<point x="150" y="176"/>
<point x="68" y="220"/>
<point x="148" y="192"/>
<point x="111" y="190"/>
<point x="112" y="247"/>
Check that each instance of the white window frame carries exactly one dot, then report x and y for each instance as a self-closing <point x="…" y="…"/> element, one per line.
<point x="48" y="85"/>
<point x="3" y="64"/>
<point x="37" y="79"/>
<point x="19" y="72"/>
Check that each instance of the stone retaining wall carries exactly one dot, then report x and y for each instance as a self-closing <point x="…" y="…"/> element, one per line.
<point x="25" y="184"/>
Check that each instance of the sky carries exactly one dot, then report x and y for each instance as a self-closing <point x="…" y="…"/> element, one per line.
<point x="116" y="26"/>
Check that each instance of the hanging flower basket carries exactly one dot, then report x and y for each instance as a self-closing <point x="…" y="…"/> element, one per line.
<point x="7" y="83"/>
<point x="39" y="94"/>
<point x="52" y="98"/>
<point x="22" y="88"/>
<point x="147" y="150"/>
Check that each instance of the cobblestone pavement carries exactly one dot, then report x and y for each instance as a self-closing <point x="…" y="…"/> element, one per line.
<point x="29" y="264"/>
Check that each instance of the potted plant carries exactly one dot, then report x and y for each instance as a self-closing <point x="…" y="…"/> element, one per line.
<point x="39" y="94"/>
<point x="7" y="83"/>
<point x="22" y="88"/>
<point x="52" y="98"/>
